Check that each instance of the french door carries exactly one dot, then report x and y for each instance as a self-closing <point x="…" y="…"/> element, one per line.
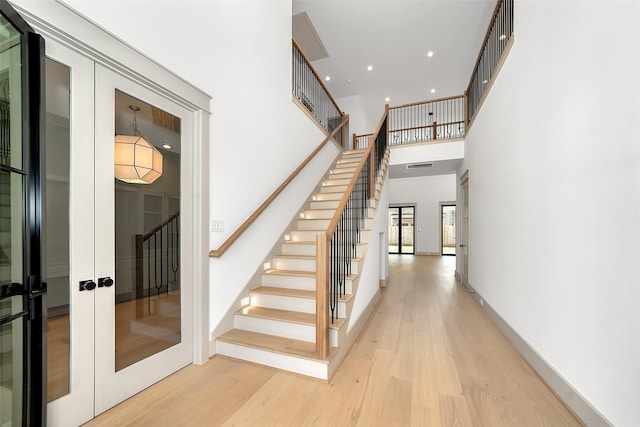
<point x="401" y="230"/>
<point x="121" y="303"/>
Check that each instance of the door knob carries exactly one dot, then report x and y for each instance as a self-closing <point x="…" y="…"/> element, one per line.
<point x="105" y="282"/>
<point x="87" y="285"/>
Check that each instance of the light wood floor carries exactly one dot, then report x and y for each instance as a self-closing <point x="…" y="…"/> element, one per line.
<point x="428" y="356"/>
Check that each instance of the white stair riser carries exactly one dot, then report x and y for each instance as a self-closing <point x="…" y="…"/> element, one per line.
<point x="353" y="161"/>
<point x="333" y="189"/>
<point x="279" y="328"/>
<point x="319" y="213"/>
<point x="283" y="302"/>
<point x="289" y="282"/>
<point x="294" y="264"/>
<point x="327" y="204"/>
<point x="335" y="181"/>
<point x="313" y="224"/>
<point x="299" y="249"/>
<point x="341" y="175"/>
<point x="310" y="368"/>
<point x="327" y="196"/>
<point x="304" y="235"/>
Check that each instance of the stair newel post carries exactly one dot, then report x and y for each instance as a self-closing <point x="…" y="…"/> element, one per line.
<point x="322" y="296"/>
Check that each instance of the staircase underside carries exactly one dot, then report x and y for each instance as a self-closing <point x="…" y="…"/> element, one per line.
<point x="277" y="329"/>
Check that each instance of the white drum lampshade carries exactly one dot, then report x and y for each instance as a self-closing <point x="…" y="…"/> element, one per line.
<point x="136" y="160"/>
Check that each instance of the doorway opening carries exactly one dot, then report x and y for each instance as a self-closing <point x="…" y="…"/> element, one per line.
<point x="448" y="229"/>
<point x="401" y="230"/>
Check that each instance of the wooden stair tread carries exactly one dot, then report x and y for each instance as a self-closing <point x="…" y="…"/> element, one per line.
<point x="275" y="344"/>
<point x="302" y="257"/>
<point x="291" y="273"/>
<point x="296" y="293"/>
<point x="286" y="316"/>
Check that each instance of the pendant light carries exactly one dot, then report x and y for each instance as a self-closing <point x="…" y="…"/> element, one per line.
<point x="136" y="161"/>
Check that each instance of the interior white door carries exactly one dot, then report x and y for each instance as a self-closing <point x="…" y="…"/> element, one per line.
<point x="117" y="342"/>
<point x="464" y="235"/>
<point x="133" y="319"/>
<point x="70" y="332"/>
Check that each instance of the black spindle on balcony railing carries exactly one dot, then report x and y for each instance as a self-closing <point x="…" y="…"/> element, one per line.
<point x="307" y="87"/>
<point x="158" y="258"/>
<point x="439" y="119"/>
<point x="495" y="42"/>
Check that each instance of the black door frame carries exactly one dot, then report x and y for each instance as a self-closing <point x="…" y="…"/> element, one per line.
<point x="400" y="208"/>
<point x="33" y="288"/>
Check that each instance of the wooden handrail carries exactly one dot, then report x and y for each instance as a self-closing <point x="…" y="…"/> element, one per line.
<point x="322" y="249"/>
<point x="413" y="104"/>
<point x="426" y="126"/>
<point x="335" y="104"/>
<point x="216" y="253"/>
<point x="155" y="229"/>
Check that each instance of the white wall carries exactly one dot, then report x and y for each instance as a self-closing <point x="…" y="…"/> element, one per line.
<point x="554" y="165"/>
<point x="364" y="115"/>
<point x="240" y="53"/>
<point x="426" y="193"/>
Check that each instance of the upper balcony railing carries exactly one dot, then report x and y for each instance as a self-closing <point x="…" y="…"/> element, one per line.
<point x="449" y="118"/>
<point x="307" y="87"/>
<point x="495" y="42"/>
<point x="439" y="119"/>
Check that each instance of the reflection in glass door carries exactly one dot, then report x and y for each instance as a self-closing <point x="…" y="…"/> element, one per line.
<point x="401" y="230"/>
<point x="57" y="78"/>
<point x="147" y="200"/>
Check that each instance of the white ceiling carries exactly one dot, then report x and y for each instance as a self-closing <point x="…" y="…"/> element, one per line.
<point x="394" y="37"/>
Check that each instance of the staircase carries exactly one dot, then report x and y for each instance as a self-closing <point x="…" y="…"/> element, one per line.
<point x="278" y="327"/>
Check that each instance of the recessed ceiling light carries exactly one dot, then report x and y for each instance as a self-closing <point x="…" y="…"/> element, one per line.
<point x="167" y="146"/>
<point x="370" y="67"/>
<point x="433" y="91"/>
<point x="502" y="37"/>
<point x="430" y="54"/>
<point x="327" y="78"/>
<point x="387" y="99"/>
<point x="349" y="81"/>
<point x="484" y="82"/>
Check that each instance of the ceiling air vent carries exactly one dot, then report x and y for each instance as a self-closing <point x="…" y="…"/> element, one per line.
<point x="418" y="165"/>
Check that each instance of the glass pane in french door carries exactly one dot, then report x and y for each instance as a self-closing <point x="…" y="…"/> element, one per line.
<point x="147" y="235"/>
<point x="57" y="231"/>
<point x="394" y="230"/>
<point x="12" y="227"/>
<point x="406" y="229"/>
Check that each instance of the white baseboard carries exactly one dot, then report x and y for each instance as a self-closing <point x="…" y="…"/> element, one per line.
<point x="558" y="385"/>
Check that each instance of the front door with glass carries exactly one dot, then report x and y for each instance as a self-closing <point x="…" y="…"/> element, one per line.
<point x="21" y="287"/>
